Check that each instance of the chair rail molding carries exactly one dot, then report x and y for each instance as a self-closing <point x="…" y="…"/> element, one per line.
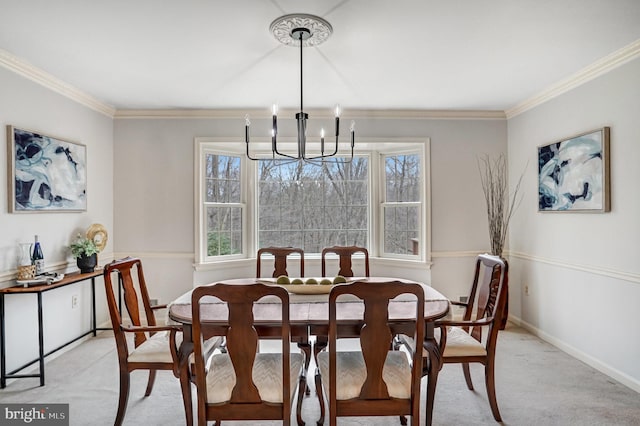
<point x="606" y="272"/>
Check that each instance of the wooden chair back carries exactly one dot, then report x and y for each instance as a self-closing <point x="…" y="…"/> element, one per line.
<point x="484" y="312"/>
<point x="345" y="253"/>
<point x="245" y="402"/>
<point x="376" y="338"/>
<point x="135" y="297"/>
<point x="127" y="276"/>
<point x="280" y="255"/>
<point x="487" y="299"/>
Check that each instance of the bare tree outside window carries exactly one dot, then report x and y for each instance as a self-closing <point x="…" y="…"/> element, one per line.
<point x="312" y="207"/>
<point x="402" y="204"/>
<point x="222" y="202"/>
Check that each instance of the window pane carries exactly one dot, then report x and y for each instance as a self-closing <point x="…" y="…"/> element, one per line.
<point x="402" y="178"/>
<point x="311" y="206"/>
<point x="222" y="178"/>
<point x="224" y="230"/>
<point x="401" y="229"/>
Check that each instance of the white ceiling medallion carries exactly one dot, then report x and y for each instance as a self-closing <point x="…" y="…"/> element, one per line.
<point x="316" y="29"/>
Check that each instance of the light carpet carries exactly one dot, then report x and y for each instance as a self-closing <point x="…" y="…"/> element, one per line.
<point x="536" y="383"/>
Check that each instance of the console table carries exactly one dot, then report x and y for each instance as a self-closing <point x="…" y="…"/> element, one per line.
<point x="38" y="290"/>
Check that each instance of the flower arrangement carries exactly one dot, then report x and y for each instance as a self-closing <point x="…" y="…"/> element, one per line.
<point x="83" y="247"/>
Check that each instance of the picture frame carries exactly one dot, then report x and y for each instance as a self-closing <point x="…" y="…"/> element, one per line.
<point x="45" y="173"/>
<point x="573" y="174"/>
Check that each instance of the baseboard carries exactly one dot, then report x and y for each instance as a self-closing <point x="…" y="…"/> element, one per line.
<point x="615" y="374"/>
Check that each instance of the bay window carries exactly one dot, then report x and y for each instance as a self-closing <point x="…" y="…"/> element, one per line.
<point x="379" y="200"/>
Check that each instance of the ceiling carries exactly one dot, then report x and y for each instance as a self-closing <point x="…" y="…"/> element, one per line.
<point x="383" y="55"/>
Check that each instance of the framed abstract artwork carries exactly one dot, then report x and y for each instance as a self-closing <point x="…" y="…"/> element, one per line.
<point x="573" y="174"/>
<point x="46" y="174"/>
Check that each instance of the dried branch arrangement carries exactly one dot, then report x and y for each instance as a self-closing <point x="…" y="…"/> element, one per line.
<point x="500" y="205"/>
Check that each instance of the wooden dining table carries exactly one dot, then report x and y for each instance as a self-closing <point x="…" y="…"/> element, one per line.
<point x="309" y="316"/>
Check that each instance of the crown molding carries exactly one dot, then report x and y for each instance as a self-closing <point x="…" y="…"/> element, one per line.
<point x="20" y="67"/>
<point x="264" y="113"/>
<point x="598" y="68"/>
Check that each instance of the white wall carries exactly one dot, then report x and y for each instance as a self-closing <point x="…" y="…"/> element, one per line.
<point x="29" y="105"/>
<point x="154" y="215"/>
<point x="582" y="270"/>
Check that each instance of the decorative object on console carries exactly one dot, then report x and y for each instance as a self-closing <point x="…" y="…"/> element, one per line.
<point x="37" y="256"/>
<point x="98" y="234"/>
<point x="26" y="270"/>
<point x="301" y="30"/>
<point x="573" y="174"/>
<point x="45" y="173"/>
<point x="85" y="251"/>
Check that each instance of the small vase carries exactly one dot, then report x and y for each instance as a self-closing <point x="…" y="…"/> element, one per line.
<point x="87" y="263"/>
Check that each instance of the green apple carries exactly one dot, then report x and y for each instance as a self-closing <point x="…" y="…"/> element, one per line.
<point x="297" y="281"/>
<point x="311" y="281"/>
<point x="339" y="279"/>
<point x="326" y="281"/>
<point x="283" y="279"/>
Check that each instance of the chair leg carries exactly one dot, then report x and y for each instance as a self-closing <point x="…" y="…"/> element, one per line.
<point x="403" y="420"/>
<point x="124" y="397"/>
<point x="185" y="387"/>
<point x="467" y="375"/>
<point x="491" y="390"/>
<point x="320" y="397"/>
<point x="302" y="386"/>
<point x="152" y="379"/>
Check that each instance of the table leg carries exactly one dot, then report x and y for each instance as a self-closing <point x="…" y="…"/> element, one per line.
<point x="3" y="361"/>
<point x="305" y="347"/>
<point x="93" y="306"/>
<point x="40" y="339"/>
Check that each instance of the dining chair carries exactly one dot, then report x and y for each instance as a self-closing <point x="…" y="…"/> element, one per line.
<point x="474" y="337"/>
<point x="154" y="346"/>
<point x="242" y="383"/>
<point x="372" y="381"/>
<point x="280" y="255"/>
<point x="345" y="254"/>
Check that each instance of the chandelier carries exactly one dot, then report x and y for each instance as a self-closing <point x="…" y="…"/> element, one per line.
<point x="304" y="31"/>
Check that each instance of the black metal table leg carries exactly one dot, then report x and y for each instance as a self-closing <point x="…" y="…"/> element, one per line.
<point x="40" y="339"/>
<point x="3" y="361"/>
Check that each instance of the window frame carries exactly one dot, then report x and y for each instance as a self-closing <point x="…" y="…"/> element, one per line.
<point x="376" y="150"/>
<point x="424" y="220"/>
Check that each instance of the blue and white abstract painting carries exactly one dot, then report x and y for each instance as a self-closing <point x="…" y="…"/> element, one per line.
<point x="49" y="174"/>
<point x="573" y="174"/>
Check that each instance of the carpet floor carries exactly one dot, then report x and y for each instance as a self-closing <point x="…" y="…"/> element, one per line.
<point x="536" y="383"/>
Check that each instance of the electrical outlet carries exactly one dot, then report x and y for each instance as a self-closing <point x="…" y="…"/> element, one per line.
<point x="463" y="299"/>
<point x="74" y="301"/>
<point x="526" y="289"/>
<point x="153" y="302"/>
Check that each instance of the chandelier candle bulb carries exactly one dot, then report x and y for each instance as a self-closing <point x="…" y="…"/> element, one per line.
<point x="353" y="132"/>
<point x="274" y="126"/>
<point x="247" y="123"/>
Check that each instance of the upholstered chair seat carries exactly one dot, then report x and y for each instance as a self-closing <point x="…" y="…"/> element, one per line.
<point x="352" y="373"/>
<point x="266" y="374"/>
<point x="459" y="343"/>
